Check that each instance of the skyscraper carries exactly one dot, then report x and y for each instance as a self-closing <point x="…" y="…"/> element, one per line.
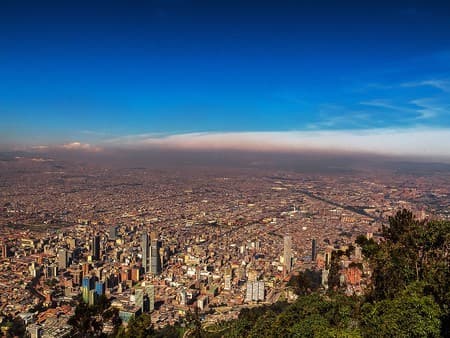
<point x="96" y="248"/>
<point x="155" y="258"/>
<point x="139" y="298"/>
<point x="227" y="279"/>
<point x="62" y="259"/>
<point x="145" y="253"/>
<point x="287" y="253"/>
<point x="100" y="288"/>
<point x="87" y="286"/>
<point x="112" y="233"/>
<point x="92" y="297"/>
<point x="5" y="251"/>
<point x="150" y="291"/>
<point x="313" y="250"/>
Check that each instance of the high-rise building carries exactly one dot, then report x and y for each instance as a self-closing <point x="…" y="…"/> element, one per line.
<point x="255" y="291"/>
<point x="113" y="233"/>
<point x="63" y="259"/>
<point x="89" y="282"/>
<point x="155" y="257"/>
<point x="135" y="275"/>
<point x="5" y="251"/>
<point x="100" y="288"/>
<point x="153" y="235"/>
<point x="145" y="253"/>
<point x="287" y="253"/>
<point x="313" y="250"/>
<point x="85" y="288"/>
<point x="144" y="298"/>
<point x="327" y="255"/>
<point x="146" y="304"/>
<point x="88" y="287"/>
<point x="85" y="268"/>
<point x="96" y="248"/>
<point x="139" y="298"/>
<point x="77" y="274"/>
<point x="150" y="292"/>
<point x="227" y="279"/>
<point x="92" y="297"/>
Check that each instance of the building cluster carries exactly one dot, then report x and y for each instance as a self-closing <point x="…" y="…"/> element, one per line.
<point x="165" y="242"/>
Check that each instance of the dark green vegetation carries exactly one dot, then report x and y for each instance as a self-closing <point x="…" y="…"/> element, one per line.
<point x="88" y="320"/>
<point x="141" y="327"/>
<point x="310" y="316"/>
<point x="11" y="327"/>
<point x="306" y="282"/>
<point x="409" y="295"/>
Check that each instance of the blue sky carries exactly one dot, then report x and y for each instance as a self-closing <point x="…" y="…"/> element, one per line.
<point x="99" y="72"/>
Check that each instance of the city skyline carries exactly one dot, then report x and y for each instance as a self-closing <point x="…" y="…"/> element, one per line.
<point x="293" y="76"/>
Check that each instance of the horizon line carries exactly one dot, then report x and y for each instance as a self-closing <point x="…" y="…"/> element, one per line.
<point x="423" y="142"/>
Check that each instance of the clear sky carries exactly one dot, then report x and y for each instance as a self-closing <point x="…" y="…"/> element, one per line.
<point x="105" y="72"/>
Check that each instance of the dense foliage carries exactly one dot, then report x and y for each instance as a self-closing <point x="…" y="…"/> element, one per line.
<point x="306" y="282"/>
<point x="87" y="321"/>
<point x="138" y="327"/>
<point x="310" y="316"/>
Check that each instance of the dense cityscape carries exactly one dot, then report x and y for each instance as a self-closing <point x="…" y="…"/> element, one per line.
<point x="166" y="242"/>
<point x="224" y="169"/>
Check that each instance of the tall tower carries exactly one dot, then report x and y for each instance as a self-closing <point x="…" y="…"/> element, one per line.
<point x="155" y="258"/>
<point x="96" y="248"/>
<point x="313" y="250"/>
<point x="5" y="251"/>
<point x="62" y="259"/>
<point x="150" y="291"/>
<point x="145" y="253"/>
<point x="100" y="288"/>
<point x="287" y="253"/>
<point x="139" y="298"/>
<point x="113" y="233"/>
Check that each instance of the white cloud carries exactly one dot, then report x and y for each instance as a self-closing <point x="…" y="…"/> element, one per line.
<point x="422" y="142"/>
<point x="443" y="85"/>
<point x="424" y="108"/>
<point x="429" y="108"/>
<point x="80" y="146"/>
<point x="385" y="104"/>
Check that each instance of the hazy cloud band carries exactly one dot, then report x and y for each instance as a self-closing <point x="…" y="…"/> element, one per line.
<point x="408" y="142"/>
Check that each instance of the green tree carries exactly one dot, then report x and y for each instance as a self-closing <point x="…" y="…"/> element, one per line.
<point x="195" y="324"/>
<point x="334" y="275"/>
<point x="140" y="327"/>
<point x="411" y="314"/>
<point x="414" y="251"/>
<point x="399" y="225"/>
<point x="369" y="246"/>
<point x="85" y="321"/>
<point x="306" y="282"/>
<point x="314" y="325"/>
<point x="263" y="326"/>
